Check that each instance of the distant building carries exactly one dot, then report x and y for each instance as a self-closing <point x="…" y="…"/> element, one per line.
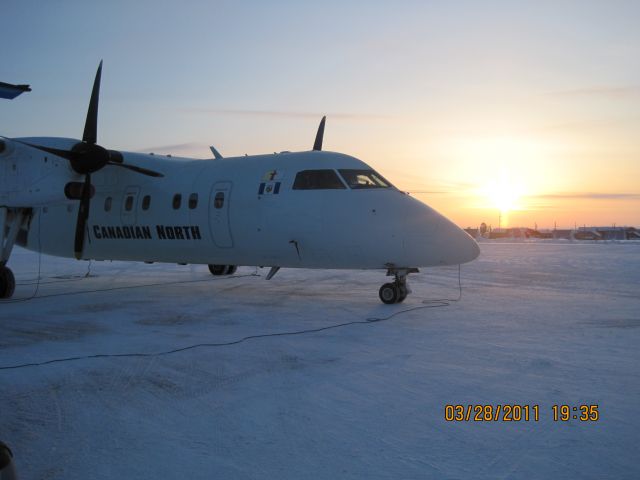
<point x="474" y="232"/>
<point x="563" y="234"/>
<point x="498" y="233"/>
<point x="633" y="233"/>
<point x="545" y="234"/>
<point x="611" y="233"/>
<point x="582" y="233"/>
<point x="607" y="233"/>
<point x="585" y="234"/>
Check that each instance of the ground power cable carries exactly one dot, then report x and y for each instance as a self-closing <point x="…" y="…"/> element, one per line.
<point x="436" y="303"/>
<point x="58" y="279"/>
<point x="126" y="287"/>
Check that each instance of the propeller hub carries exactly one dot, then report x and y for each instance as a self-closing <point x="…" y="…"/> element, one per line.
<point x="88" y="158"/>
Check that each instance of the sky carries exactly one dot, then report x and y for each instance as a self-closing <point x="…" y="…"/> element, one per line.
<point x="505" y="112"/>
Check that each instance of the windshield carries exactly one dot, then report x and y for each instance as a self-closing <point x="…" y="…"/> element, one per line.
<point x="357" y="179"/>
<point x="317" y="180"/>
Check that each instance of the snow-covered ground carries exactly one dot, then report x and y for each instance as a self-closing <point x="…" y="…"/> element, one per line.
<point x="538" y="323"/>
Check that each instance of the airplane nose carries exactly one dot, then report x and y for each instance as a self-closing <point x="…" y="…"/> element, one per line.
<point x="433" y="239"/>
<point x="475" y="248"/>
<point x="453" y="245"/>
<point x="468" y="248"/>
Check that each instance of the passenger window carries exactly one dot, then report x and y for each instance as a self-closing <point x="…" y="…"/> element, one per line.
<point x="107" y="204"/>
<point x="193" y="201"/>
<point x="218" y="201"/>
<point x="128" y="205"/>
<point x="317" y="180"/>
<point x="146" y="202"/>
<point x="358" y="179"/>
<point x="177" y="200"/>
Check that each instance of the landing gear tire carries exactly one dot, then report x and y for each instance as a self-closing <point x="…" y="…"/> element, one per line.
<point x="396" y="291"/>
<point x="7" y="283"/>
<point x="404" y="291"/>
<point x="217" y="270"/>
<point x="390" y="293"/>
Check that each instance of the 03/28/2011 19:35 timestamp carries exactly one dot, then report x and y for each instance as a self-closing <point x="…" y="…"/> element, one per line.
<point x="519" y="413"/>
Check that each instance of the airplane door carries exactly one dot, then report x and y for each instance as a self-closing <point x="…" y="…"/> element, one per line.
<point x="219" y="214"/>
<point x="129" y="205"/>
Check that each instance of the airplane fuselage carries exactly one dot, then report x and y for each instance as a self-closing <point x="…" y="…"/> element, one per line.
<point x="248" y="210"/>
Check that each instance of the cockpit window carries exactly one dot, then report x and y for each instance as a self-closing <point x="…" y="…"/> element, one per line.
<point x="317" y="180"/>
<point x="363" y="179"/>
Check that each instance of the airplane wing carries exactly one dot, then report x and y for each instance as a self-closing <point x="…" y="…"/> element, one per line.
<point x="9" y="91"/>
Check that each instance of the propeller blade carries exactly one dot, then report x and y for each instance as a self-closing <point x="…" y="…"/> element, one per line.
<point x="90" y="134"/>
<point x="137" y="169"/>
<point x="69" y="155"/>
<point x="317" y="145"/>
<point x="83" y="216"/>
<point x="116" y="158"/>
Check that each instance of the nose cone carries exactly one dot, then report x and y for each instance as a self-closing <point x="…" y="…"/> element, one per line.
<point x="432" y="239"/>
<point x="456" y="245"/>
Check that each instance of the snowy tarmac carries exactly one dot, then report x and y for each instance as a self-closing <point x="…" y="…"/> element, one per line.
<point x="538" y="324"/>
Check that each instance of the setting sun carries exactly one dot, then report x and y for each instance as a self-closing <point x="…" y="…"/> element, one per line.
<point x="504" y="196"/>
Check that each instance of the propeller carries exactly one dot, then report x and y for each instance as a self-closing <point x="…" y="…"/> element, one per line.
<point x="83" y="216"/>
<point x="87" y="157"/>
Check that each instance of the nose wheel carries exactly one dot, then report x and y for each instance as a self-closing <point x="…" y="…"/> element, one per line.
<point x="396" y="291"/>
<point x="391" y="293"/>
<point x="217" y="270"/>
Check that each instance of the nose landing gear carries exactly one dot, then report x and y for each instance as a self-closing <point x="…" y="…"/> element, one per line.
<point x="396" y="291"/>
<point x="217" y="270"/>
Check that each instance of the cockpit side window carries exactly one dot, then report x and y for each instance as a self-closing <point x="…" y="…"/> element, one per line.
<point x="358" y="179"/>
<point x="317" y="180"/>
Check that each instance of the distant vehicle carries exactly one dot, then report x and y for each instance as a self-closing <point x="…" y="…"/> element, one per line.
<point x="312" y="209"/>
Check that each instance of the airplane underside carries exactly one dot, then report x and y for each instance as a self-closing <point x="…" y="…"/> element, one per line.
<point x="21" y="226"/>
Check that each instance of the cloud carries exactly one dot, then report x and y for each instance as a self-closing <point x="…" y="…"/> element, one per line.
<point x="177" y="148"/>
<point x="281" y="114"/>
<point x="581" y="126"/>
<point x="602" y="91"/>
<point x="426" y="191"/>
<point x="587" y="196"/>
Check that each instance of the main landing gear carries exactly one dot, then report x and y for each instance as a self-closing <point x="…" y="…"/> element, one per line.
<point x="396" y="291"/>
<point x="218" y="270"/>
<point x="11" y="221"/>
<point x="7" y="282"/>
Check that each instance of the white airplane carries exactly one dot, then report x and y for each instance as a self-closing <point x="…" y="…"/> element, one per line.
<point x="313" y="209"/>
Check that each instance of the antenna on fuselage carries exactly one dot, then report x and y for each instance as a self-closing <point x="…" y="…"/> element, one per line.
<point x="216" y="153"/>
<point x="317" y="145"/>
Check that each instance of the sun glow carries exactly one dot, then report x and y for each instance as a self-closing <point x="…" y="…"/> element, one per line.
<point x="502" y="168"/>
<point x="504" y="195"/>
